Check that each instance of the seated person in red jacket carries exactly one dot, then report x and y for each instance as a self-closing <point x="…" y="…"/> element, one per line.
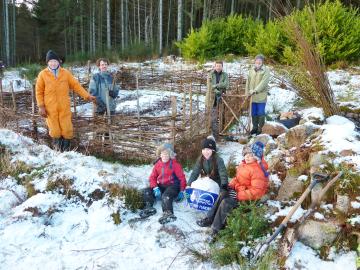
<point x="167" y="182"/>
<point x="250" y="183"/>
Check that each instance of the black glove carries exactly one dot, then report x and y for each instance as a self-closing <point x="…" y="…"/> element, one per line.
<point x="232" y="194"/>
<point x="112" y="94"/>
<point x="224" y="187"/>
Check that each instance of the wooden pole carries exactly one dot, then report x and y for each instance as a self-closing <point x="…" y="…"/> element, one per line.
<point x="13" y="95"/>
<point x="197" y="114"/>
<point x="173" y="110"/>
<point x="191" y="111"/>
<point x="138" y="101"/>
<point x="1" y="93"/>
<point x="183" y="106"/>
<point x="33" y="110"/>
<point x="89" y="70"/>
<point x="74" y="103"/>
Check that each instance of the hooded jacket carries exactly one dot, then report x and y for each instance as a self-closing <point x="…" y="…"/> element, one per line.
<point x="166" y="174"/>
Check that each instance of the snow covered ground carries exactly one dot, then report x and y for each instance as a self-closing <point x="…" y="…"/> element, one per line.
<point x="69" y="234"/>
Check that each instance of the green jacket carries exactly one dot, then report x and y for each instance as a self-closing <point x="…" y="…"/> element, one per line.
<point x="216" y="88"/>
<point x="206" y="169"/>
<point x="257" y="84"/>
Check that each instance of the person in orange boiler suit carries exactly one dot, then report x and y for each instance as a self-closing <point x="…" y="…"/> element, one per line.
<point x="250" y="183"/>
<point x="52" y="95"/>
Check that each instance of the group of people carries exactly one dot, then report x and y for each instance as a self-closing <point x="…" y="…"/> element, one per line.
<point x="167" y="182"/>
<point x="54" y="83"/>
<point x="256" y="90"/>
<point x="52" y="95"/>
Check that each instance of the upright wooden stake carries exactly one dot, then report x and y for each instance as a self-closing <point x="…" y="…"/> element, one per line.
<point x="191" y="111"/>
<point x="89" y="70"/>
<point x="13" y="95"/>
<point x="1" y="93"/>
<point x="173" y="116"/>
<point x="183" y="106"/>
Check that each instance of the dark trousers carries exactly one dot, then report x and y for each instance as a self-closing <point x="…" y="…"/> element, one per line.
<point x="168" y="194"/>
<point x="220" y="211"/>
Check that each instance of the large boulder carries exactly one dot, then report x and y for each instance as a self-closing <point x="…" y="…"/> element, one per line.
<point x="317" y="234"/>
<point x="274" y="128"/>
<point x="289" y="187"/>
<point x="264" y="138"/>
<point x="296" y="136"/>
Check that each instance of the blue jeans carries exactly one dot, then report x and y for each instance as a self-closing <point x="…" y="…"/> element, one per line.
<point x="258" y="109"/>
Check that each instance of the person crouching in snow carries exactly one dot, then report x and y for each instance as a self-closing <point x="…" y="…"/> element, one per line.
<point x="52" y="96"/>
<point x="210" y="164"/>
<point x="250" y="183"/>
<point x="167" y="182"/>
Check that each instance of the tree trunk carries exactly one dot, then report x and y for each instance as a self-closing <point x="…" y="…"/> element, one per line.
<point x="146" y="25"/>
<point x="151" y="23"/>
<point x="126" y="23"/>
<point x="122" y="26"/>
<point x="160" y="25"/>
<point x="82" y="39"/>
<point x="14" y="35"/>
<point x="168" y="24"/>
<point x="205" y="11"/>
<point x="179" y="19"/>
<point x="232" y="7"/>
<point x="298" y="4"/>
<point x="270" y="9"/>
<point x="139" y="22"/>
<point x="7" y="37"/>
<point x="192" y="15"/>
<point x="108" y="28"/>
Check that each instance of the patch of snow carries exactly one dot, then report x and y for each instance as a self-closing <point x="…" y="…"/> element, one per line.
<point x="354" y="220"/>
<point x="355" y="205"/>
<point x="302" y="178"/>
<point x="319" y="216"/>
<point x="283" y="212"/>
<point x="303" y="257"/>
<point x="274" y="178"/>
<point x="339" y="134"/>
<point x="312" y="113"/>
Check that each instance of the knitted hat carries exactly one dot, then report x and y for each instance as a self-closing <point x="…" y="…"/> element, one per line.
<point x="246" y="150"/>
<point x="257" y="148"/>
<point x="210" y="143"/>
<point x="261" y="57"/>
<point x="51" y="55"/>
<point x="166" y="147"/>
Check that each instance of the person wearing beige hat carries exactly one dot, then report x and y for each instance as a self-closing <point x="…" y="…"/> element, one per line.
<point x="167" y="183"/>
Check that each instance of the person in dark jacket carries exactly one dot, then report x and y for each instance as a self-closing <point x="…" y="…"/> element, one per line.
<point x="250" y="183"/>
<point x="210" y="164"/>
<point x="101" y="85"/>
<point x="167" y="183"/>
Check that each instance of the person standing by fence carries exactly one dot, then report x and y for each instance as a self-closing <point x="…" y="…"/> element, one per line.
<point x="257" y="87"/>
<point x="102" y="86"/>
<point x="52" y="96"/>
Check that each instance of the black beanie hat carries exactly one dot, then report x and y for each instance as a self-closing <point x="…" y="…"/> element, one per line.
<point x="210" y="143"/>
<point x="51" y="55"/>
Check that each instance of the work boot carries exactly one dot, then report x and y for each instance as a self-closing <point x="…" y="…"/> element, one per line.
<point x="204" y="222"/>
<point x="148" y="211"/>
<point x="167" y="217"/>
<point x="65" y="146"/>
<point x="261" y="124"/>
<point x="255" y="123"/>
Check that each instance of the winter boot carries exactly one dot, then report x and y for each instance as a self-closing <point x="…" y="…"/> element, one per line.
<point x="205" y="222"/>
<point x="261" y="124"/>
<point x="167" y="217"/>
<point x="57" y="143"/>
<point x="147" y="211"/>
<point x="255" y="123"/>
<point x="65" y="146"/>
